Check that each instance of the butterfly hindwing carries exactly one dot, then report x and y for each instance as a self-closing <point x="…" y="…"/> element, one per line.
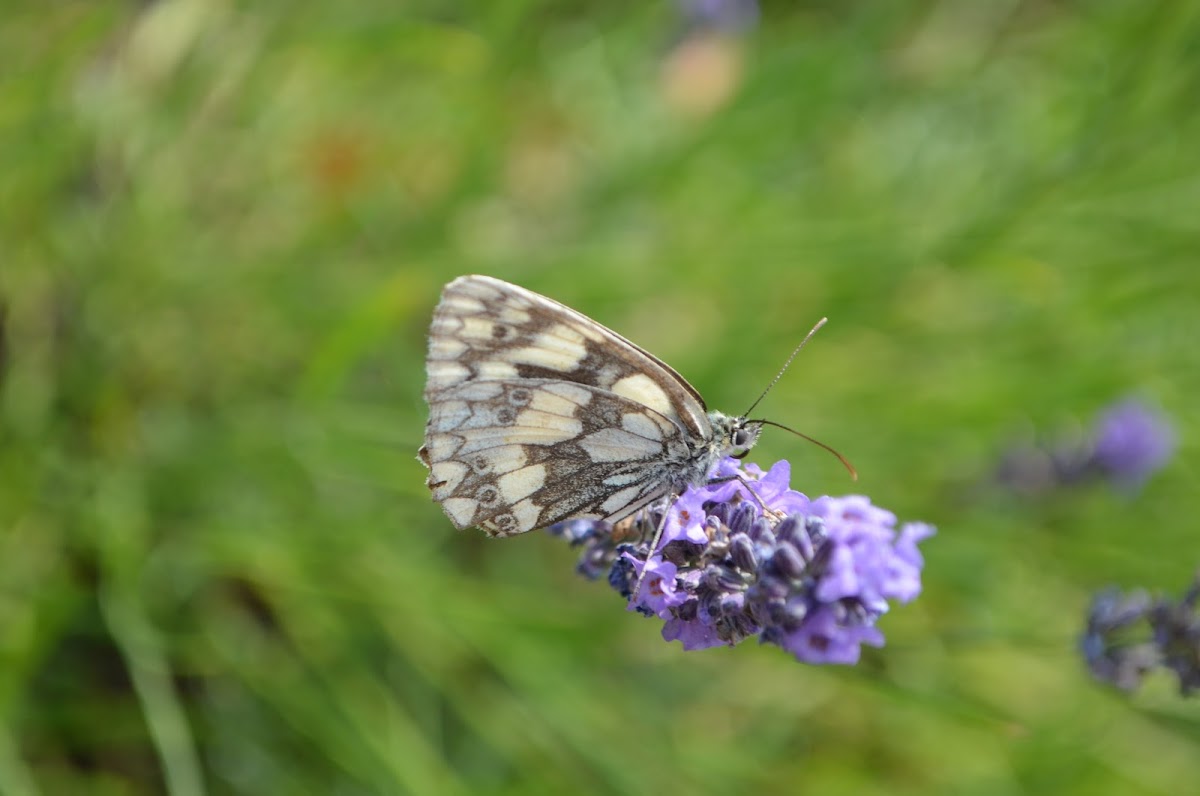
<point x="513" y="454"/>
<point x="488" y="329"/>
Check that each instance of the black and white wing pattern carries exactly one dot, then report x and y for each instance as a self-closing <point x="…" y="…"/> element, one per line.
<point x="539" y="414"/>
<point x="484" y="328"/>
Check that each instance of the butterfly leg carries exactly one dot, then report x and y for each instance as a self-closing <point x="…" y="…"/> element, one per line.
<point x="658" y="532"/>
<point x="749" y="488"/>
<point x="662" y="524"/>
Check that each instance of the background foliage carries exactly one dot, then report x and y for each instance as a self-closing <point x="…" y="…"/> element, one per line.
<point x="223" y="227"/>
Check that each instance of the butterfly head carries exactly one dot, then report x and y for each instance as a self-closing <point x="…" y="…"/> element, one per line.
<point x="735" y="436"/>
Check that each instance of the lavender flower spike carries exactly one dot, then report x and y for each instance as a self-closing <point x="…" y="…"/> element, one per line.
<point x="1127" y="444"/>
<point x="809" y="576"/>
<point x="1130" y="635"/>
<point x="1132" y="443"/>
<point x="728" y="16"/>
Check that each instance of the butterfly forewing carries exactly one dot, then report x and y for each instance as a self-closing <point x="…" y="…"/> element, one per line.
<point x="539" y="414"/>
<point x="485" y="328"/>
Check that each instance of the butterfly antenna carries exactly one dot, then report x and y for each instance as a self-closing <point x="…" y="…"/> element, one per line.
<point x="783" y="370"/>
<point x="845" y="462"/>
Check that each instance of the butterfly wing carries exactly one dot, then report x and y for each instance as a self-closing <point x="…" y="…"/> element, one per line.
<point x="511" y="455"/>
<point x="539" y="414"/>
<point x="488" y="329"/>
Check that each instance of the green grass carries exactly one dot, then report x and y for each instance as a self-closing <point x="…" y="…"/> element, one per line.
<point x="223" y="228"/>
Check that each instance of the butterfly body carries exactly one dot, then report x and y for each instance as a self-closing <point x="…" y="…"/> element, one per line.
<point x="538" y="414"/>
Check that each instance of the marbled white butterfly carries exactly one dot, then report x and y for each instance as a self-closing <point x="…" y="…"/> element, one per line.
<point x="538" y="414"/>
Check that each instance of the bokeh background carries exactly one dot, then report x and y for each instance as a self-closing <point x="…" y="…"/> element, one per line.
<point x="223" y="229"/>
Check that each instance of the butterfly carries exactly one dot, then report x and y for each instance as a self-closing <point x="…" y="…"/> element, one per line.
<point x="539" y="414"/>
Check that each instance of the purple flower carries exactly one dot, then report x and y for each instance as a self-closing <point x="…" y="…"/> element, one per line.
<point x="824" y="639"/>
<point x="1177" y="637"/>
<point x="864" y="562"/>
<point x="809" y="576"/>
<point x="728" y="16"/>
<point x="695" y="634"/>
<point x="1132" y="443"/>
<point x="1130" y="635"/>
<point x="774" y="488"/>
<point x="902" y="572"/>
<point x="660" y="590"/>
<point x="685" y="520"/>
<point x="1128" y="443"/>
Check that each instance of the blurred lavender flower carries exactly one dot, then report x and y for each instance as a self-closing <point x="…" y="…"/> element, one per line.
<point x="1132" y="443"/>
<point x="1113" y="650"/>
<point x="1130" y="635"/>
<point x="1129" y="442"/>
<point x="1177" y="636"/>
<point x="703" y="69"/>
<point x="809" y="576"/>
<point x="726" y="16"/>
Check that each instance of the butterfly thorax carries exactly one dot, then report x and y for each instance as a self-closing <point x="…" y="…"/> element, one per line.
<point x="731" y="436"/>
